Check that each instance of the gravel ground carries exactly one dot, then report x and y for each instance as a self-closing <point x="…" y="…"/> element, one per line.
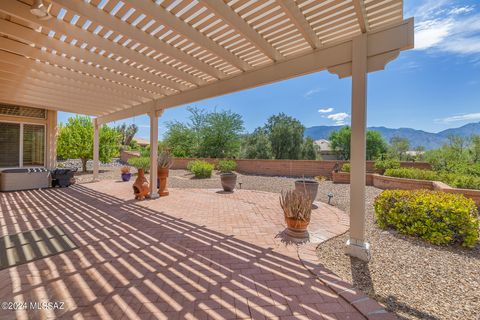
<point x="407" y="275"/>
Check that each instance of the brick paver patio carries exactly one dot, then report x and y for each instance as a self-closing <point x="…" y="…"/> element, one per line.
<point x="196" y="254"/>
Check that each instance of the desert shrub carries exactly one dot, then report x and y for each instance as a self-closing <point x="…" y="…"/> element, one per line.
<point x="412" y="173"/>
<point x="383" y="165"/>
<point x="226" y="165"/>
<point x="437" y="217"/>
<point x="346" y="167"/>
<point x="200" y="168"/>
<point x="452" y="179"/>
<point x="139" y="162"/>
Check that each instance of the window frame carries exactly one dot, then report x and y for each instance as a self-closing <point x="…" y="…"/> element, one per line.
<point x="20" y="158"/>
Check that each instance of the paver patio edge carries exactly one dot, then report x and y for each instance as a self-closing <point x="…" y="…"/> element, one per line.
<point x="368" y="307"/>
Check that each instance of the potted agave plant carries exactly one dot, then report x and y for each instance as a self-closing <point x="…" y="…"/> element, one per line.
<point x="297" y="209"/>
<point x="141" y="187"/>
<point x="126" y="174"/>
<point x="165" y="162"/>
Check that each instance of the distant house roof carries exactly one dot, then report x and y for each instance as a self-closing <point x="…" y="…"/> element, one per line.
<point x="141" y="142"/>
<point x="323" y="144"/>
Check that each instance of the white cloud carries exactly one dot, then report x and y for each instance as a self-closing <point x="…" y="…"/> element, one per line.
<point x="326" y="110"/>
<point x="443" y="28"/>
<point x="339" y="118"/>
<point x="312" y="92"/>
<point x="461" y="117"/>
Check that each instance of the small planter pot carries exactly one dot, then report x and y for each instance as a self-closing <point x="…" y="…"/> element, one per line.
<point x="310" y="187"/>
<point x="162" y="181"/>
<point x="126" y="176"/>
<point x="229" y="181"/>
<point x="297" y="228"/>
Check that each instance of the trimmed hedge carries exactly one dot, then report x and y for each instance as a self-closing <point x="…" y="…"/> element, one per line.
<point x="200" y="168"/>
<point x="438" y="217"/>
<point x="452" y="179"/>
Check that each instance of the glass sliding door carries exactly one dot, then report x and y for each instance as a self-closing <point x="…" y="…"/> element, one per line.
<point x="33" y="145"/>
<point x="9" y="144"/>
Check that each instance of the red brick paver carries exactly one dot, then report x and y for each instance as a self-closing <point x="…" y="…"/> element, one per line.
<point x="196" y="254"/>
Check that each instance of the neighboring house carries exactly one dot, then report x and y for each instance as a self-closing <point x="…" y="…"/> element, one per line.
<point x="141" y="142"/>
<point x="325" y="150"/>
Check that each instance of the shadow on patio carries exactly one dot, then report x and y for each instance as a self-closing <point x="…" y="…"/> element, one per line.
<point x="135" y="262"/>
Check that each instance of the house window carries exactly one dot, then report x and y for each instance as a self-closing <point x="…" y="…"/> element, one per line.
<point x="9" y="144"/>
<point x="22" y="144"/>
<point x="33" y="145"/>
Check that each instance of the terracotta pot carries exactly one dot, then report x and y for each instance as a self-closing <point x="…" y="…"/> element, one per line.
<point x="296" y="225"/>
<point x="229" y="181"/>
<point x="310" y="187"/>
<point x="162" y="178"/>
<point x="140" y="186"/>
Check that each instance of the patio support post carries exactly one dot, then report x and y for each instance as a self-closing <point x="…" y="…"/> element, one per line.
<point x="356" y="245"/>
<point x="153" y="153"/>
<point x="96" y="141"/>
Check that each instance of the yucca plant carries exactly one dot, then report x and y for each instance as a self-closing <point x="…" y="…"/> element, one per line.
<point x="165" y="160"/>
<point x="296" y="205"/>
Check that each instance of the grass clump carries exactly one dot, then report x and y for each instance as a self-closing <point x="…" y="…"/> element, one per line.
<point x="226" y="166"/>
<point x="438" y="217"/>
<point x="201" y="169"/>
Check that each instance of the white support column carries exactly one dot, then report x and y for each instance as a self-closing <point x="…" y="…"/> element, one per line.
<point x="153" y="153"/>
<point x="356" y="245"/>
<point x="96" y="153"/>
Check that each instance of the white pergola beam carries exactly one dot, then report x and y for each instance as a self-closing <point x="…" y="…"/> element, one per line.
<point x="151" y="9"/>
<point x="395" y="38"/>
<point x="225" y="12"/>
<point x="22" y="11"/>
<point x="60" y="75"/>
<point x="361" y="15"/>
<point x="121" y="82"/>
<point x="41" y="40"/>
<point x="299" y="20"/>
<point x="101" y="17"/>
<point x="42" y="89"/>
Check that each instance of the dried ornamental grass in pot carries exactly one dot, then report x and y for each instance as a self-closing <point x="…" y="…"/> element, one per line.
<point x="297" y="209"/>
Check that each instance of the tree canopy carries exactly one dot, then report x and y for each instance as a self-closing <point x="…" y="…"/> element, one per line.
<point x="340" y="143"/>
<point x="75" y="140"/>
<point x="286" y="136"/>
<point x="207" y="134"/>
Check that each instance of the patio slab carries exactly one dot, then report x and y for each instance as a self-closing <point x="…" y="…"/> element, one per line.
<point x="196" y="254"/>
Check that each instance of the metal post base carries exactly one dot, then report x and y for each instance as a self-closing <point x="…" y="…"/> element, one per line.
<point x="358" y="249"/>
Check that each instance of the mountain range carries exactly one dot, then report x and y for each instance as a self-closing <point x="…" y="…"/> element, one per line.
<point x="417" y="138"/>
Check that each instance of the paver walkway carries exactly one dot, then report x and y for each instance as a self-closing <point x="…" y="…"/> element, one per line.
<point x="196" y="254"/>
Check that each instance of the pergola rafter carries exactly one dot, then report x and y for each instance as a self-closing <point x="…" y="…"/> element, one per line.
<point x="117" y="59"/>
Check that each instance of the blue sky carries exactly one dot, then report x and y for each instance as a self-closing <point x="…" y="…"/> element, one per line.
<point x="432" y="88"/>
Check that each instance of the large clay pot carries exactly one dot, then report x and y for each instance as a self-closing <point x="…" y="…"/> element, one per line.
<point x="310" y="187"/>
<point x="229" y="181"/>
<point x="141" y="186"/>
<point x="162" y="178"/>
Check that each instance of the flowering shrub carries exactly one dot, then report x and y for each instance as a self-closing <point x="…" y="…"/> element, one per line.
<point x="438" y="217"/>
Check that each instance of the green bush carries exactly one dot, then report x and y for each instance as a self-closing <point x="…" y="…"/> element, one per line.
<point x="452" y="179"/>
<point x="201" y="169"/>
<point x="437" y="217"/>
<point x="346" y="167"/>
<point x="383" y="165"/>
<point x="226" y="165"/>
<point x="412" y="173"/>
<point x="140" y="162"/>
